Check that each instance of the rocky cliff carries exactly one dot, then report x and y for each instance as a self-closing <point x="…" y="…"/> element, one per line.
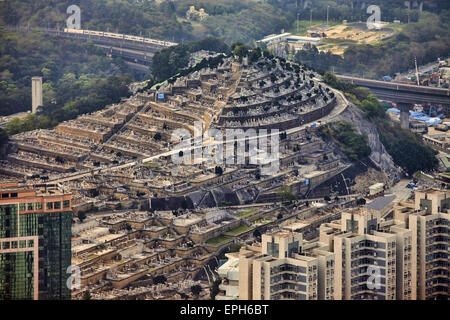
<point x="379" y="155"/>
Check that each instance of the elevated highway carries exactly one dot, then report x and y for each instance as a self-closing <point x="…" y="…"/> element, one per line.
<point x="402" y="93"/>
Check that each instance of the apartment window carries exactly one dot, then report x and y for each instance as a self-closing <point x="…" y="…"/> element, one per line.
<point x="272" y="249"/>
<point x="30" y="206"/>
<point x="22" y="207"/>
<point x="66" y="203"/>
<point x="57" y="205"/>
<point x="49" y="205"/>
<point x="293" y="248"/>
<point x="38" y="206"/>
<point x="5" y="195"/>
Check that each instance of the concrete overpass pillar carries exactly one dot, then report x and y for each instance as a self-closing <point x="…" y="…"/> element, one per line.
<point x="404" y="114"/>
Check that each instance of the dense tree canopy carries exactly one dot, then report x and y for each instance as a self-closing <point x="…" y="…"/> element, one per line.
<point x="407" y="149"/>
<point x="170" y="61"/>
<point x="65" y="65"/>
<point x="130" y="17"/>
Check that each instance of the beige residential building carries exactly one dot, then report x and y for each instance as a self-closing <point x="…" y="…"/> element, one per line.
<point x="432" y="200"/>
<point x="277" y="270"/>
<point x="429" y="221"/>
<point x="367" y="252"/>
<point x="326" y="267"/>
<point x="362" y="256"/>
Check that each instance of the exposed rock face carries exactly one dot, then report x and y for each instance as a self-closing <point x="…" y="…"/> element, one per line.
<point x="247" y="195"/>
<point x="379" y="155"/>
<point x="170" y="203"/>
<point x="197" y="197"/>
<point x="219" y="196"/>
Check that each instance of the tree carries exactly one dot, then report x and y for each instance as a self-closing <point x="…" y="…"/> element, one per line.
<point x="239" y="49"/>
<point x="87" y="295"/>
<point x="372" y="107"/>
<point x="361" y="201"/>
<point x="196" y="290"/>
<point x="235" y="247"/>
<point x="157" y="136"/>
<point x="59" y="159"/>
<point x="184" y="296"/>
<point x="254" y="55"/>
<point x="354" y="145"/>
<point x="331" y="79"/>
<point x="273" y="78"/>
<point x="412" y="156"/>
<point x="218" y="170"/>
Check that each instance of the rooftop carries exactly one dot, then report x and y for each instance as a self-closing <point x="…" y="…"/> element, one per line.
<point x="380" y="203"/>
<point x="284" y="234"/>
